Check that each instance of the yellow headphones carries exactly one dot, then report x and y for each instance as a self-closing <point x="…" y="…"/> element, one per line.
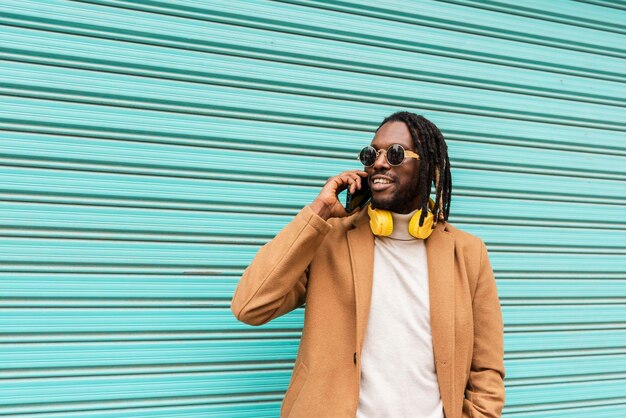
<point x="381" y="222"/>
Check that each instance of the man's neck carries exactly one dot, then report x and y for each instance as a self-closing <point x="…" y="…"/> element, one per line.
<point x="401" y="225"/>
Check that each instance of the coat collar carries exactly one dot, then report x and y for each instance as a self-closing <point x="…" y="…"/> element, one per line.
<point x="440" y="255"/>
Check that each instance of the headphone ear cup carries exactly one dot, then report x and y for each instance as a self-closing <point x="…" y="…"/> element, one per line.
<point x="381" y="221"/>
<point x="424" y="231"/>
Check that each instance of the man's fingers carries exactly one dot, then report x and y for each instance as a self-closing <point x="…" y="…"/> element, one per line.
<point x="351" y="180"/>
<point x="349" y="184"/>
<point x="341" y="183"/>
<point x="358" y="181"/>
<point x="355" y="183"/>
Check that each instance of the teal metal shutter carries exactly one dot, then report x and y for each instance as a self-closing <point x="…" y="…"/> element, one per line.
<point x="148" y="149"/>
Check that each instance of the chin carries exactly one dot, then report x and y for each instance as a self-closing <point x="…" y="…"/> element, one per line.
<point x="394" y="203"/>
<point x="386" y="204"/>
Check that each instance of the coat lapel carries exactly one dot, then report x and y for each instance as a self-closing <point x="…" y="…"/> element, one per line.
<point x="361" y="245"/>
<point x="440" y="254"/>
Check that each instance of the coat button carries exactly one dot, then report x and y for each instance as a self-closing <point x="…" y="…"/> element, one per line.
<point x="354" y="358"/>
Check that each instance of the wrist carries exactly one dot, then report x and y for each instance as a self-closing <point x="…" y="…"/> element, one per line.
<point x="320" y="209"/>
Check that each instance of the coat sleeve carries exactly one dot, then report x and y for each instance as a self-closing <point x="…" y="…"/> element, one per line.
<point x="484" y="393"/>
<point x="276" y="280"/>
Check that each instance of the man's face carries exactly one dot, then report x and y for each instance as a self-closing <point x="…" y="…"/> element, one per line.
<point x="401" y="194"/>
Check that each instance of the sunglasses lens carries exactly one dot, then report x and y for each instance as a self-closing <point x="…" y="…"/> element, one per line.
<point x="395" y="154"/>
<point x="367" y="156"/>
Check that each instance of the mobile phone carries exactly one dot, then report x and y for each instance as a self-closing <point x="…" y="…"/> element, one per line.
<point x="360" y="197"/>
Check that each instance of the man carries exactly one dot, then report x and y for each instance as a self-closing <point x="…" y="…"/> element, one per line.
<point x="404" y="323"/>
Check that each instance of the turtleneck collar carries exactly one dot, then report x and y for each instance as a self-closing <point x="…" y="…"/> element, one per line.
<point x="401" y="226"/>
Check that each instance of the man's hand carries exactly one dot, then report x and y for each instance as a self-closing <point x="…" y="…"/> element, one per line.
<point x="326" y="204"/>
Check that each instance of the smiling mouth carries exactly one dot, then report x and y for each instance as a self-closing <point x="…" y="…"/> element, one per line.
<point x="380" y="184"/>
<point x="381" y="181"/>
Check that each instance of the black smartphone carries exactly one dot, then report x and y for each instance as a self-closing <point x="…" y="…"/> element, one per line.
<point x="360" y="197"/>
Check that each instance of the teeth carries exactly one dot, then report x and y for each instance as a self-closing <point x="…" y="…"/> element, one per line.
<point x="383" y="181"/>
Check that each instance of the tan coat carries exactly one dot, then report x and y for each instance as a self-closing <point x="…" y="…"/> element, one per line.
<point x="329" y="265"/>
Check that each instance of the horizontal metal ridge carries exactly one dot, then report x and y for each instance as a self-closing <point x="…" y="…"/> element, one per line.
<point x="209" y="302"/>
<point x="113" y="319"/>
<point x="81" y="255"/>
<point x="149" y="336"/>
<point x="467" y="212"/>
<point x="45" y="289"/>
<point x="211" y="403"/>
<point x="600" y="407"/>
<point x="112" y="189"/>
<point x="196" y="35"/>
<point x="454" y="17"/>
<point x="356" y="126"/>
<point x="123" y="361"/>
<point x="605" y="3"/>
<point x="53" y="83"/>
<point x="75" y="222"/>
<point x="261" y="406"/>
<point x="569" y="13"/>
<point x="117" y="358"/>
<point x="100" y="155"/>
<point x="112" y="369"/>
<point x="155" y="389"/>
<point x="24" y="45"/>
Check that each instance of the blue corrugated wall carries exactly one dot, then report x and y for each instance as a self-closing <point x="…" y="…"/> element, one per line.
<point x="149" y="148"/>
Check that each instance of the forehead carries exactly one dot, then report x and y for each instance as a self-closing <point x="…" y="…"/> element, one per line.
<point x="393" y="133"/>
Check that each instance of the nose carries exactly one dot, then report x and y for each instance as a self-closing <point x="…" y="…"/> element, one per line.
<point x="381" y="161"/>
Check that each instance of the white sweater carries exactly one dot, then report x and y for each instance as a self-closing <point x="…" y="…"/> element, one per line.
<point x="398" y="378"/>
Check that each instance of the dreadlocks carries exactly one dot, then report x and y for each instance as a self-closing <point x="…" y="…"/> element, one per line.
<point x="434" y="163"/>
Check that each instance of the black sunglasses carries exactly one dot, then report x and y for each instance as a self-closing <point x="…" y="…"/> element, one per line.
<point x="395" y="155"/>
